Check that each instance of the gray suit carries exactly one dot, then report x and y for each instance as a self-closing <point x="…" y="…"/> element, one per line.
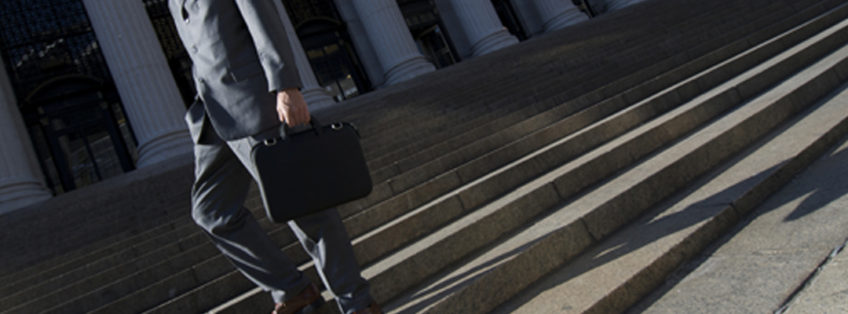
<point x="241" y="58"/>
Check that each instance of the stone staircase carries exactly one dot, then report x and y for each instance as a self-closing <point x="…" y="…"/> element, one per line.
<point x="587" y="164"/>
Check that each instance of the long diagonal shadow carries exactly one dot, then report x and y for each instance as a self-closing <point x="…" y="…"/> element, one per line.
<point x="822" y="191"/>
<point x="457" y="280"/>
<point x="817" y="193"/>
<point x="651" y="229"/>
<point x="655" y="228"/>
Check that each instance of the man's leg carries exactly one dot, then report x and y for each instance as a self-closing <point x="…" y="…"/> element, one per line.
<point x="220" y="188"/>
<point x="324" y="237"/>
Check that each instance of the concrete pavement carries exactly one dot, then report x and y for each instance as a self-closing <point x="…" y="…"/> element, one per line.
<point x="827" y="291"/>
<point x="783" y="257"/>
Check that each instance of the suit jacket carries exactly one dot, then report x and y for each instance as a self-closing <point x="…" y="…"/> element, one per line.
<point x="241" y="57"/>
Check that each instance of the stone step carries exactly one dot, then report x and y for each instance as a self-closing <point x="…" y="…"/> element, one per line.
<point x="400" y="184"/>
<point x="472" y="140"/>
<point x="116" y="272"/>
<point x="231" y="279"/>
<point x="499" y="138"/>
<point x="86" y="261"/>
<point x="500" y="272"/>
<point x="619" y="271"/>
<point x="79" y="258"/>
<point x="7" y="281"/>
<point x="185" y="246"/>
<point x="254" y="301"/>
<point x="72" y="225"/>
<point x="628" y="48"/>
<point x="63" y="271"/>
<point x="722" y="31"/>
<point x="404" y="164"/>
<point x="550" y="66"/>
<point x="774" y="254"/>
<point x="498" y="131"/>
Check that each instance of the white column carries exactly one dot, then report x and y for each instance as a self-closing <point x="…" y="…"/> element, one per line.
<point x="143" y="78"/>
<point x="481" y="25"/>
<point x="388" y="33"/>
<point x="558" y="14"/>
<point x="613" y="5"/>
<point x="21" y="181"/>
<point x="314" y="94"/>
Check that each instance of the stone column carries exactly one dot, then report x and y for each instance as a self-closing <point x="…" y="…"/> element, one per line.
<point x="558" y="14"/>
<point x="613" y="5"/>
<point x="481" y="25"/>
<point x="144" y="81"/>
<point x="388" y="33"/>
<point x="21" y="181"/>
<point x="314" y="94"/>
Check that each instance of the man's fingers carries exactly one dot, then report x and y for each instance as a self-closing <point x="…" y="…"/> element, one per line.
<point x="304" y="116"/>
<point x="295" y="117"/>
<point x="292" y="108"/>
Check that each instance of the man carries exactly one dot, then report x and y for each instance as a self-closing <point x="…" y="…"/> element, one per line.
<point x="247" y="85"/>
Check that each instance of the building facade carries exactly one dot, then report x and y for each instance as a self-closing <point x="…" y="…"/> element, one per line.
<point x="92" y="89"/>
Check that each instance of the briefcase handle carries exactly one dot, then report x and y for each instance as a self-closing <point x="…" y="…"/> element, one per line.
<point x="286" y="131"/>
<point x="315" y="126"/>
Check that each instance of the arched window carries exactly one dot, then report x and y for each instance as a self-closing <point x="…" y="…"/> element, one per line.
<point x="65" y="92"/>
<point x="79" y="132"/>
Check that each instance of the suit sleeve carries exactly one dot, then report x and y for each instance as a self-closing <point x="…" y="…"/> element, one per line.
<point x="272" y="44"/>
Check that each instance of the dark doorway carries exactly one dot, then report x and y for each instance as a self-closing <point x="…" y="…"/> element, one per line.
<point x="328" y="47"/>
<point x="509" y="18"/>
<point x="65" y="92"/>
<point x="586" y="7"/>
<point x="425" y="24"/>
<point x="332" y="58"/>
<point x="79" y="132"/>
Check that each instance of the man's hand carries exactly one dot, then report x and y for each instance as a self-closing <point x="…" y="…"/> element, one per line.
<point x="291" y="107"/>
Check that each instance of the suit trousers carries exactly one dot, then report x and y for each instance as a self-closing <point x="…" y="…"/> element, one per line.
<point x="223" y="170"/>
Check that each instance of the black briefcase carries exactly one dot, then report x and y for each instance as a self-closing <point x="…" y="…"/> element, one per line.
<point x="301" y="173"/>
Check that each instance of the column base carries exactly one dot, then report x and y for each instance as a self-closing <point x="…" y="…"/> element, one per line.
<point x="408" y="69"/>
<point x="492" y="42"/>
<point x="567" y="18"/>
<point x="16" y="193"/>
<point x="164" y="147"/>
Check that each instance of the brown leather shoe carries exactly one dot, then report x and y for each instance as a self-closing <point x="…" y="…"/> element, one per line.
<point x="307" y="301"/>
<point x="372" y="309"/>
